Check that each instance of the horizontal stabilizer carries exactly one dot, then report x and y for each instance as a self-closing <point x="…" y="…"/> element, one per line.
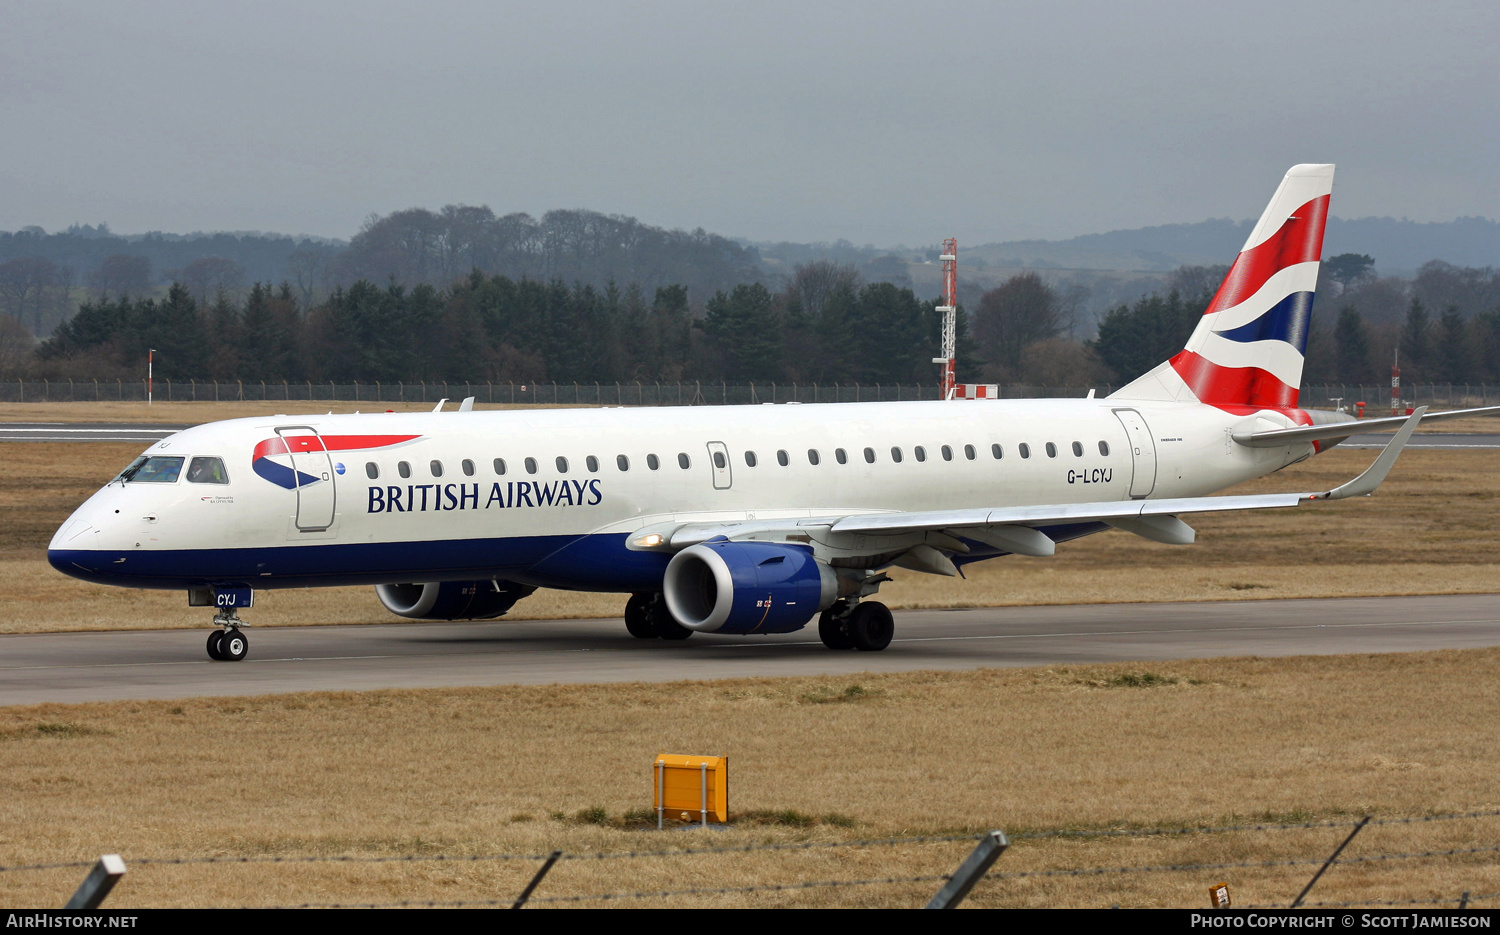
<point x="1308" y="433"/>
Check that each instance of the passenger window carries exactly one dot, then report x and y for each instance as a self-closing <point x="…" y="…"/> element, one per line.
<point x="403" y="468"/>
<point x="869" y="455"/>
<point x="969" y="452"/>
<point x="652" y="462"/>
<point x="996" y="451"/>
<point x="207" y="471"/>
<point x="436" y="467"/>
<point x="841" y="456"/>
<point x="812" y="456"/>
<point x="562" y="465"/>
<point x="499" y="465"/>
<point x="622" y="462"/>
<point x="1051" y="450"/>
<point x="372" y="471"/>
<point x="1078" y="449"/>
<point x="1025" y="450"/>
<point x="947" y="452"/>
<point x="468" y="468"/>
<point x="720" y="461"/>
<point x="750" y="459"/>
<point x="781" y="457"/>
<point x="896" y="455"/>
<point x="683" y="461"/>
<point x="920" y="452"/>
<point x="592" y="463"/>
<point x="530" y="465"/>
<point x="1104" y="448"/>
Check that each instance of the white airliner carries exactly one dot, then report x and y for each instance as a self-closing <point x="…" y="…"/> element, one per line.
<point x="734" y="520"/>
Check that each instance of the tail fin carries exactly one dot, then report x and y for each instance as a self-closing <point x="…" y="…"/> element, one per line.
<point x="1248" y="347"/>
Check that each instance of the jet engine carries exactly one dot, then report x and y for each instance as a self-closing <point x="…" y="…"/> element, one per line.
<point x="451" y="600"/>
<point x="747" y="587"/>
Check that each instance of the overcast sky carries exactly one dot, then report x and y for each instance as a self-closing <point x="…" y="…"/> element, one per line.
<point x="881" y="123"/>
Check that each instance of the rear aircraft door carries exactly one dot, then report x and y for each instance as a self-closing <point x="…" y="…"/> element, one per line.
<point x="718" y="461"/>
<point x="312" y="471"/>
<point x="1142" y="452"/>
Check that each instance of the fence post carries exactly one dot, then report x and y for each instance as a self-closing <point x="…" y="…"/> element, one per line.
<point x="526" y="893"/>
<point x="991" y="846"/>
<point x="1329" y="862"/>
<point x="97" y="884"/>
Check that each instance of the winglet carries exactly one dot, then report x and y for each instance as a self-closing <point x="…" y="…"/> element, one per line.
<point x="1374" y="475"/>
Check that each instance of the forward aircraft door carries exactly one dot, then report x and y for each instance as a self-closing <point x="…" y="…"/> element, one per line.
<point x="1142" y="453"/>
<point x="718" y="460"/>
<point x="312" y="472"/>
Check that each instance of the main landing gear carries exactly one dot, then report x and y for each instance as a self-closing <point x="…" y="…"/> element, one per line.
<point x="228" y="644"/>
<point x="647" y="618"/>
<point x="865" y="625"/>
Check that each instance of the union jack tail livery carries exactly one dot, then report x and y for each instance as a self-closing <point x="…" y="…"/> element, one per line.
<point x="1246" y="352"/>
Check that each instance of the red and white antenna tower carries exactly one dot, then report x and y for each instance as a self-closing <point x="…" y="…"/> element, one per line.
<point x="949" y="310"/>
<point x="1396" y="383"/>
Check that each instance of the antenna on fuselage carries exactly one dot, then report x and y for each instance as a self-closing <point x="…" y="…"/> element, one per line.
<point x="439" y="406"/>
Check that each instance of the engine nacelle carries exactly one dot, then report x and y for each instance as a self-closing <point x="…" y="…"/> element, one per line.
<point x="747" y="587"/>
<point x="451" y="600"/>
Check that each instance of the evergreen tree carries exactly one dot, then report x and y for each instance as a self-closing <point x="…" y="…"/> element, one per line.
<point x="744" y="325"/>
<point x="1414" y="344"/>
<point x="1351" y="348"/>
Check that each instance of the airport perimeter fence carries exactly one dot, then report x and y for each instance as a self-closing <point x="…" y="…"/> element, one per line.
<point x="1376" y="397"/>
<point x="1474" y="861"/>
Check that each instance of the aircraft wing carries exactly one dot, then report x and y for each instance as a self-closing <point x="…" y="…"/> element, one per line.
<point x="920" y="539"/>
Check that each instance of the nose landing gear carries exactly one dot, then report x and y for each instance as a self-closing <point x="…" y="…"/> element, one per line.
<point x="228" y="644"/>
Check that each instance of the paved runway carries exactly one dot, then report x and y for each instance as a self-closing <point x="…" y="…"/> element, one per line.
<point x="1425" y="440"/>
<point x="85" y="431"/>
<point x="173" y="664"/>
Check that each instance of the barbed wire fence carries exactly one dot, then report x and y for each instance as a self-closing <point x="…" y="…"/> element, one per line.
<point x="954" y="885"/>
<point x="695" y="393"/>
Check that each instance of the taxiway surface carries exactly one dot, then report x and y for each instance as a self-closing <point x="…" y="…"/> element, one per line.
<point x="75" y="667"/>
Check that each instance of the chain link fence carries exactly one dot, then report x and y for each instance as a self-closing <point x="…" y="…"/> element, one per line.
<point x="697" y="393"/>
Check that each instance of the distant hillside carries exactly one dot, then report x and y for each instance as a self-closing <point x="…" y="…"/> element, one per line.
<point x="1397" y="246"/>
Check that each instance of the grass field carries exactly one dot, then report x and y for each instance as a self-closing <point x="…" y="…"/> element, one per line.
<point x="1429" y="530"/>
<point x="527" y="769"/>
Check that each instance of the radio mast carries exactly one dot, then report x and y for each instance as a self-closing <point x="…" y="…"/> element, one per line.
<point x="949" y="310"/>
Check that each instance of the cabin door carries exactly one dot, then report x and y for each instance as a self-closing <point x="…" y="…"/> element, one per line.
<point x="1142" y="453"/>
<point x="718" y="461"/>
<point x="312" y="473"/>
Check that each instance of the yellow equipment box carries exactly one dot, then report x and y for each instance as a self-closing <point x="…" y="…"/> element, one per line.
<point x="691" y="787"/>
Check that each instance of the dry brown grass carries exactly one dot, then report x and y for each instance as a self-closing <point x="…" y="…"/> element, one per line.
<point x="528" y="769"/>
<point x="1429" y="530"/>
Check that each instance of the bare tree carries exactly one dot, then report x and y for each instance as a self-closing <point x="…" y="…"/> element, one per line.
<point x="1010" y="318"/>
<point x="210" y="276"/>
<point x="121" y="274"/>
<point x="24" y="287"/>
<point x="813" y="284"/>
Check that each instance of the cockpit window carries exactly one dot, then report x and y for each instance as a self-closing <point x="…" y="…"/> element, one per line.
<point x="157" y="470"/>
<point x="207" y="471"/>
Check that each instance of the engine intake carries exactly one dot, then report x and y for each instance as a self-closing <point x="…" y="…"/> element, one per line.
<point x="452" y="600"/>
<point x="747" y="587"/>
